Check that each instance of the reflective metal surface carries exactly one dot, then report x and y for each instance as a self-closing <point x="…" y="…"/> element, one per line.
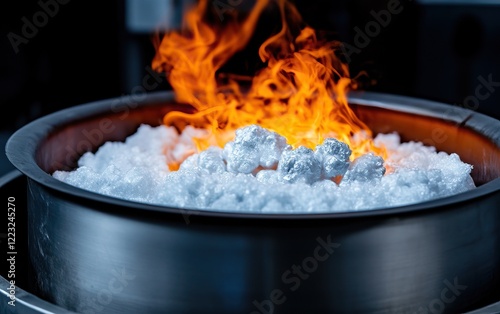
<point x="96" y="254"/>
<point x="13" y="184"/>
<point x="27" y="302"/>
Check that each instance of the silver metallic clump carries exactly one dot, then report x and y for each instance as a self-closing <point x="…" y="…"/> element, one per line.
<point x="255" y="150"/>
<point x="254" y="147"/>
<point x="299" y="165"/>
<point x="365" y="168"/>
<point x="334" y="157"/>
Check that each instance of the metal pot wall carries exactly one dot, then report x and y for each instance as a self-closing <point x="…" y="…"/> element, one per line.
<point x="97" y="254"/>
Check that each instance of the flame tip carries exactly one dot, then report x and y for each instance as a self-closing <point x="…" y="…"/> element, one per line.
<point x="300" y="92"/>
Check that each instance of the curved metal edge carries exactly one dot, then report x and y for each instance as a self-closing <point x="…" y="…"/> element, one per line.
<point x="27" y="138"/>
<point x="25" y="302"/>
<point x="461" y="116"/>
<point x="489" y="309"/>
<point x="9" y="176"/>
<point x="28" y="303"/>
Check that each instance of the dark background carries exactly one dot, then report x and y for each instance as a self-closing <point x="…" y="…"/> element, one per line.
<point x="90" y="50"/>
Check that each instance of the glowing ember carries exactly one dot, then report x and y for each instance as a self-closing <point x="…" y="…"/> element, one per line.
<point x="299" y="94"/>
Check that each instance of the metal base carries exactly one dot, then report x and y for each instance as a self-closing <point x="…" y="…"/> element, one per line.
<point x="26" y="300"/>
<point x="96" y="253"/>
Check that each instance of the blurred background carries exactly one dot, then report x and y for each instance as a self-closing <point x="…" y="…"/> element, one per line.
<point x="60" y="53"/>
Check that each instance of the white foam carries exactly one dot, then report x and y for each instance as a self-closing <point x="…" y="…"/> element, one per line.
<point x="259" y="172"/>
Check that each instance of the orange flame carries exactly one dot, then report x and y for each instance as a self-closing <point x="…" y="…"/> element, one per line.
<point x="301" y="93"/>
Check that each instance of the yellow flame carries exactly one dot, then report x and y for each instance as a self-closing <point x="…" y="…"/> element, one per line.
<point x="300" y="94"/>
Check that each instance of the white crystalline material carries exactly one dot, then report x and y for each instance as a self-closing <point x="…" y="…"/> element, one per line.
<point x="209" y="160"/>
<point x="124" y="170"/>
<point x="252" y="147"/>
<point x="184" y="145"/>
<point x="259" y="173"/>
<point x="299" y="165"/>
<point x="365" y="168"/>
<point x="334" y="157"/>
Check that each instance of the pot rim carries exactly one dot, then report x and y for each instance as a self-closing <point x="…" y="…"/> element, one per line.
<point x="22" y="146"/>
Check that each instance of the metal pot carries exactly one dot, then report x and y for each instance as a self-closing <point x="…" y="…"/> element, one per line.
<point x="98" y="254"/>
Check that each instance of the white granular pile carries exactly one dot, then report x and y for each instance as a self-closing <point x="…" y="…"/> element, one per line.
<point x="260" y="172"/>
